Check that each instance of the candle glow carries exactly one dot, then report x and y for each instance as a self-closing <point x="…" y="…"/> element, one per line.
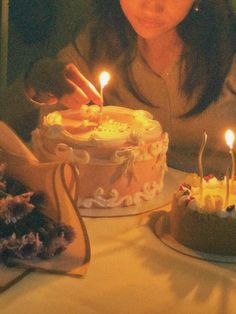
<point x="229" y="137"/>
<point x="104" y="79"/>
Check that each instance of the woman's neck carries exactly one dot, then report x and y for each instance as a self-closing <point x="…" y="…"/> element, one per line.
<point x="160" y="53"/>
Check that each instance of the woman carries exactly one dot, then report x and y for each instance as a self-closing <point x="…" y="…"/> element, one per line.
<point x="172" y="58"/>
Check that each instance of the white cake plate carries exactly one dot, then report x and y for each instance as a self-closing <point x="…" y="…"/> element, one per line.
<point x="162" y="232"/>
<point x="171" y="181"/>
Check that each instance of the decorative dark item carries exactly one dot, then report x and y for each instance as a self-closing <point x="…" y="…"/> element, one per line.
<point x="25" y="232"/>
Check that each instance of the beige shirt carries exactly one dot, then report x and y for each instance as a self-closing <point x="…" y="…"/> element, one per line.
<point x="185" y="135"/>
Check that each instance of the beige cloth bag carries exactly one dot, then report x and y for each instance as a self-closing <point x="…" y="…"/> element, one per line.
<point x="58" y="182"/>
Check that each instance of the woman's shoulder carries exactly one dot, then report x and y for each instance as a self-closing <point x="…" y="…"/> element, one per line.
<point x="230" y="81"/>
<point x="82" y="40"/>
<point x="226" y="103"/>
<point x="77" y="50"/>
<point x="86" y="37"/>
<point x="233" y="65"/>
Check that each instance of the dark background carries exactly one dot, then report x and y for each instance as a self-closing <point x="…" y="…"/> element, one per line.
<point x="40" y="28"/>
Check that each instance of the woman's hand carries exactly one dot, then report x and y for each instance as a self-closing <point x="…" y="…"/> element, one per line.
<point x="50" y="81"/>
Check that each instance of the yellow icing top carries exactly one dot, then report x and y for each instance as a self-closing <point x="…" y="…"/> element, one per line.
<point x="88" y="123"/>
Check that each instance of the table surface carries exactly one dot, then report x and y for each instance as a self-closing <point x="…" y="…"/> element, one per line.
<point x="131" y="271"/>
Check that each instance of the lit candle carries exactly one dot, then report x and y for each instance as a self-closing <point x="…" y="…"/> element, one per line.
<point x="200" y="166"/>
<point x="104" y="79"/>
<point x="229" y="137"/>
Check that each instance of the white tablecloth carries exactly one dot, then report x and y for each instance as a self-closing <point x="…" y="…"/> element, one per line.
<point x="130" y="271"/>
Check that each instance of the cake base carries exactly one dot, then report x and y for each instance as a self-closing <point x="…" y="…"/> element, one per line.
<point x="163" y="234"/>
<point x="171" y="180"/>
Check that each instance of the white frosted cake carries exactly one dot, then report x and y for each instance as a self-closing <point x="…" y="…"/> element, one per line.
<point x="120" y="154"/>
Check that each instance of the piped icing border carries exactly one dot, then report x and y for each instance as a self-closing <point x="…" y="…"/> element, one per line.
<point x="148" y="130"/>
<point x="147" y="193"/>
<point x="130" y="154"/>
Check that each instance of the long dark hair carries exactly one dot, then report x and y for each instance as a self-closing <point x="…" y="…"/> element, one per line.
<point x="209" y="45"/>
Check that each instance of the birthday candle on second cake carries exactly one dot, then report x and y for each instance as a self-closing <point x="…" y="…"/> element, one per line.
<point x="200" y="166"/>
<point x="227" y="187"/>
<point x="229" y="137"/>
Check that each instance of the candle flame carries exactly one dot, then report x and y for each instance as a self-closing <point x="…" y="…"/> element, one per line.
<point x="104" y="78"/>
<point x="229" y="137"/>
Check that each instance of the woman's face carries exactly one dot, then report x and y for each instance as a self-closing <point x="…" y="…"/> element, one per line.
<point x="152" y="18"/>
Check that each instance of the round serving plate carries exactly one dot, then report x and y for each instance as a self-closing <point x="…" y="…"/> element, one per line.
<point x="171" y="181"/>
